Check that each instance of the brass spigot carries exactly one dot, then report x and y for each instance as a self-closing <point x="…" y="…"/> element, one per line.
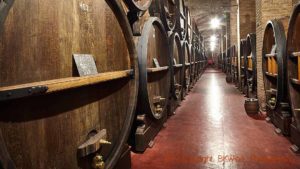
<point x="102" y="141"/>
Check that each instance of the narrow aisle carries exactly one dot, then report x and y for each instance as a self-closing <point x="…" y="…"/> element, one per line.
<point x="211" y="124"/>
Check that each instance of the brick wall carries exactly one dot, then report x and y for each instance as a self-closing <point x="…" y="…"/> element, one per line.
<point x="266" y="10"/>
<point x="233" y="23"/>
<point x="247" y="17"/>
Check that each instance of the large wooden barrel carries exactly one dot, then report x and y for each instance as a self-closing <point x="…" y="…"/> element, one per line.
<point x="138" y="5"/>
<point x="228" y="66"/>
<point x="68" y="83"/>
<point x="224" y="61"/>
<point x="293" y="75"/>
<point x="189" y="37"/>
<point x="198" y="59"/>
<point x="166" y="10"/>
<point x="274" y="66"/>
<point x="154" y="87"/>
<point x="181" y="22"/>
<point x="187" y="67"/>
<point x="193" y="65"/>
<point x="250" y="67"/>
<point x="243" y="85"/>
<point x="234" y="66"/>
<point x="177" y="75"/>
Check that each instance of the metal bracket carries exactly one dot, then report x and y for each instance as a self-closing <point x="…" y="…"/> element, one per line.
<point x="23" y="92"/>
<point x="132" y="73"/>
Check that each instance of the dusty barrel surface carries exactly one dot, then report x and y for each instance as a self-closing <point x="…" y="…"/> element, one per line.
<point x="250" y="67"/>
<point x="274" y="66"/>
<point x="293" y="75"/>
<point x="154" y="87"/>
<point x="51" y="117"/>
<point x="166" y="10"/>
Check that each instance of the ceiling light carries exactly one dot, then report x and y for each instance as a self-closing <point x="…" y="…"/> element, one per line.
<point x="213" y="38"/>
<point x="215" y="23"/>
<point x="212" y="45"/>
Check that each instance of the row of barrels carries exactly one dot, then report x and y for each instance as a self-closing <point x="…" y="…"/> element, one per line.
<point x="247" y="82"/>
<point x="281" y="73"/>
<point x="165" y="23"/>
<point x="78" y="79"/>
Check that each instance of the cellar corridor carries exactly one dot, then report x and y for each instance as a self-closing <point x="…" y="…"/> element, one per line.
<point x="212" y="130"/>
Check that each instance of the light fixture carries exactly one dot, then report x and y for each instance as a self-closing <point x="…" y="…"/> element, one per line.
<point x="213" y="38"/>
<point x="215" y="23"/>
<point x="212" y="45"/>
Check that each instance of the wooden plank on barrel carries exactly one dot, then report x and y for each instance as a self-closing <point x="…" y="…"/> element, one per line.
<point x="157" y="69"/>
<point x="56" y="85"/>
<point x="295" y="54"/>
<point x="295" y="81"/>
<point x="271" y="74"/>
<point x="271" y="54"/>
<point x="178" y="66"/>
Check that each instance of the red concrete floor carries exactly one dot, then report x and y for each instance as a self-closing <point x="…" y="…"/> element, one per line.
<point x="211" y="130"/>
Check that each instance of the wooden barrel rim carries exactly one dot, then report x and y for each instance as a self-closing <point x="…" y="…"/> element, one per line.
<point x="118" y="147"/>
<point x="174" y="37"/>
<point x="133" y="6"/>
<point x="280" y="41"/>
<point x="290" y="73"/>
<point x="142" y="52"/>
<point x="5" y="160"/>
<point x="165" y="20"/>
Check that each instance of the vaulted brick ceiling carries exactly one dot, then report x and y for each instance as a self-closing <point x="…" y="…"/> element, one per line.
<point x="203" y="10"/>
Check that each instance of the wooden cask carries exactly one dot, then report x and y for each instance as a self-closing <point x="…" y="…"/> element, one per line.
<point x="154" y="87"/>
<point x="293" y="75"/>
<point x="202" y="55"/>
<point x="187" y="67"/>
<point x="181" y="21"/>
<point x="50" y="116"/>
<point x="228" y="66"/>
<point x="250" y="66"/>
<point x="197" y="62"/>
<point x="177" y="75"/>
<point x="274" y="70"/>
<point x="196" y="44"/>
<point x="166" y="10"/>
<point x="193" y="66"/>
<point x="234" y="66"/>
<point x="189" y="37"/>
<point x="243" y="84"/>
